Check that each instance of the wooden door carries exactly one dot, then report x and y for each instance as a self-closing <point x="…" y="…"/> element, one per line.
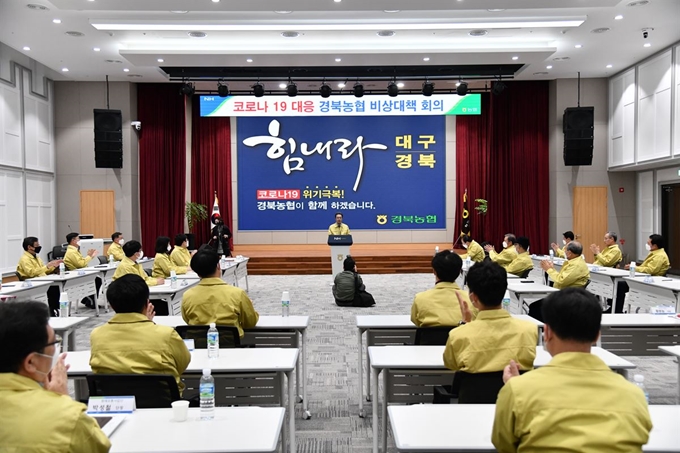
<point x="97" y="212"/>
<point x="590" y="217"/>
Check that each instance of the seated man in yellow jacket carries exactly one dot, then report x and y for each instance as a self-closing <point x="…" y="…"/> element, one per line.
<point x="474" y="251"/>
<point x="116" y="247"/>
<point x="575" y="403"/>
<point x="180" y="255"/>
<point x="162" y="264"/>
<point x="37" y="414"/>
<point x="213" y="300"/>
<point x="489" y="342"/>
<point x="439" y="306"/>
<point x="522" y="264"/>
<point x="507" y="254"/>
<point x="31" y="266"/>
<point x="133" y="253"/>
<point x="73" y="259"/>
<point x="656" y="264"/>
<point x="611" y="255"/>
<point x="131" y="342"/>
<point x="567" y="237"/>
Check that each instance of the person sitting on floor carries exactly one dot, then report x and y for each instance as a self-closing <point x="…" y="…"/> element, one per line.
<point x="522" y="263"/>
<point x="348" y="285"/>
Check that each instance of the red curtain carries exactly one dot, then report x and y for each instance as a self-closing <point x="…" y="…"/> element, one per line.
<point x="502" y="156"/>
<point x="210" y="168"/>
<point x="162" y="161"/>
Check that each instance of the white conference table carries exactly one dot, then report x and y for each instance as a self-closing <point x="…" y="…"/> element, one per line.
<point x="173" y="296"/>
<point x="267" y="334"/>
<point x="77" y="284"/>
<point x="386" y="358"/>
<point x="674" y="351"/>
<point x="228" y="274"/>
<point x="464" y="271"/>
<point x="382" y="330"/>
<point x="66" y="327"/>
<point x="638" y="334"/>
<point x="660" y="291"/>
<point x="241" y="269"/>
<point x="448" y="428"/>
<point x="521" y="289"/>
<point x="233" y="430"/>
<point x="230" y="361"/>
<point x="21" y="291"/>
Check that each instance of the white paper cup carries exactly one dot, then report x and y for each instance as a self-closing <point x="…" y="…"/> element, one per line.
<point x="180" y="410"/>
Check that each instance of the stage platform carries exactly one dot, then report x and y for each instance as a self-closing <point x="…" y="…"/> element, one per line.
<point x="306" y="259"/>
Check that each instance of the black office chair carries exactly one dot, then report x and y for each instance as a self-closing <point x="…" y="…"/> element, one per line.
<point x="18" y="276"/>
<point x="103" y="259"/>
<point x="586" y="285"/>
<point x="58" y="252"/>
<point x="432" y="336"/>
<point x="148" y="272"/>
<point x="229" y="337"/>
<point x="525" y="274"/>
<point x="150" y="390"/>
<point x="470" y="388"/>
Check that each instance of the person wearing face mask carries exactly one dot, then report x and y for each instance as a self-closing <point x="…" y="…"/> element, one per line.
<point x="180" y="255"/>
<point x="522" y="263"/>
<point x="73" y="260"/>
<point x="37" y="414"/>
<point x="567" y="237"/>
<point x="116" y="247"/>
<point x="575" y="402"/>
<point x="474" y="251"/>
<point x="220" y="237"/>
<point x="611" y="255"/>
<point x="162" y="265"/>
<point x="507" y="255"/>
<point x="133" y="253"/>
<point x="31" y="266"/>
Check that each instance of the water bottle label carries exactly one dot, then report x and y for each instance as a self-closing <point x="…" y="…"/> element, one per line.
<point x="212" y="339"/>
<point x="285" y="303"/>
<point x="207" y="390"/>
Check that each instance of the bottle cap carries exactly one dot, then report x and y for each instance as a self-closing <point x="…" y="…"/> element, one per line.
<point x="206" y="371"/>
<point x="639" y="378"/>
<point x="173" y="274"/>
<point x="212" y="325"/>
<point x="285" y="295"/>
<point x="63" y="296"/>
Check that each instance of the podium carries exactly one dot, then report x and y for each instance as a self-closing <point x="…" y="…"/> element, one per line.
<point x="339" y="251"/>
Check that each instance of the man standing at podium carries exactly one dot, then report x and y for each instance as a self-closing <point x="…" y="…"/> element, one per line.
<point x="338" y="228"/>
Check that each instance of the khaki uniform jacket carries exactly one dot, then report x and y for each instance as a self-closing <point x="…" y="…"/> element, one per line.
<point x="212" y="300"/>
<point x="504" y="258"/>
<point x="180" y="256"/>
<point x="335" y="230"/>
<point x="574" y="404"/>
<point x="609" y="257"/>
<point x="475" y="252"/>
<point x="74" y="260"/>
<point x="489" y="342"/>
<point x="32" y="266"/>
<point x="131" y="344"/>
<point x="439" y="306"/>
<point x="656" y="263"/>
<point x="561" y="253"/>
<point x="520" y="264"/>
<point x="127" y="266"/>
<point x="36" y="420"/>
<point x="574" y="274"/>
<point x="117" y="251"/>
<point x="162" y="265"/>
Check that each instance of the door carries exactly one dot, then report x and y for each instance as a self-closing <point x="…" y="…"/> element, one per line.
<point x="670" y="224"/>
<point x="590" y="217"/>
<point x="97" y="213"/>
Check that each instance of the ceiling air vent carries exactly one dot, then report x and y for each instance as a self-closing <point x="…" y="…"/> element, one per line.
<point x="601" y="30"/>
<point x="197" y="34"/>
<point x="386" y="33"/>
<point x="638" y="3"/>
<point x="36" y="7"/>
<point x="290" y="34"/>
<point x="479" y="32"/>
<point x="75" y="34"/>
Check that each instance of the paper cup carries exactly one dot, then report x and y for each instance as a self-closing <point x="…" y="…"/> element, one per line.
<point x="180" y="410"/>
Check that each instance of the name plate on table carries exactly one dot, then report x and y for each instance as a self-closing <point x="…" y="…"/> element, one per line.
<point x="344" y="239"/>
<point x="111" y="405"/>
<point x="189" y="342"/>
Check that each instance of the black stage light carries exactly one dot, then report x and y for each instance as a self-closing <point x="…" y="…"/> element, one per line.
<point x="498" y="87"/>
<point x="428" y="88"/>
<point x="222" y="90"/>
<point x="291" y="89"/>
<point x="325" y="91"/>
<point x="358" y="90"/>
<point x="187" y="89"/>
<point x="258" y="90"/>
<point x="392" y="90"/>
<point x="462" y="89"/>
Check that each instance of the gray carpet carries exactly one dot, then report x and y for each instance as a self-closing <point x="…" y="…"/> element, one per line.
<point x="332" y="375"/>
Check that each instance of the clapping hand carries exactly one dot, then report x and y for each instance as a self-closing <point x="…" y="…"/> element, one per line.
<point x="595" y="249"/>
<point x="57" y="380"/>
<point x="150" y="311"/>
<point x="464" y="309"/>
<point x="510" y="371"/>
<point x="545" y="264"/>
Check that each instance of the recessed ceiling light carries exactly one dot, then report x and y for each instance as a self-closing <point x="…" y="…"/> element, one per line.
<point x="290" y="34"/>
<point x="609" y="66"/>
<point x="283" y="12"/>
<point x="548" y="67"/>
<point x="96" y="49"/>
<point x="426" y="59"/>
<point x="337" y="1"/>
<point x="648" y="44"/>
<point x="27" y="48"/>
<point x="390" y="11"/>
<point x="385" y="33"/>
<point x="282" y="85"/>
<point x="495" y="10"/>
<point x="338" y="60"/>
<point x="400" y="84"/>
<point x="341" y="85"/>
<point x="215" y="1"/>
<point x="64" y="69"/>
<point x="56" y="21"/>
<point x="126" y="70"/>
<point x="578" y="46"/>
<point x="179" y="11"/>
<point x="160" y="60"/>
<point x="618" y="17"/>
<point x="249" y="60"/>
<point x="515" y="58"/>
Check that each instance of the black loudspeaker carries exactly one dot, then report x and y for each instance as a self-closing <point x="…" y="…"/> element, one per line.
<point x="108" y="138"/>
<point x="577" y="124"/>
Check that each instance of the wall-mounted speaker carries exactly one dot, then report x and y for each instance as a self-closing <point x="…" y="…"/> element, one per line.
<point x="578" y="128"/>
<point x="108" y="138"/>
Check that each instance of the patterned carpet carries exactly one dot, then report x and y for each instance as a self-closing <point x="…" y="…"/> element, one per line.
<point x="332" y="375"/>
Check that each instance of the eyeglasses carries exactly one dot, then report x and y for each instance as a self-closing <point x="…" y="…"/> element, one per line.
<point x="57" y="340"/>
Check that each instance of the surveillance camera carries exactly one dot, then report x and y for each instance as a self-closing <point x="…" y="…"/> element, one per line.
<point x="645" y="34"/>
<point x="137" y="125"/>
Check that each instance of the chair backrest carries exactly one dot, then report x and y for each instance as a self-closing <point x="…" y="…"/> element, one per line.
<point x="586" y="285"/>
<point x="103" y="259"/>
<point x="525" y="274"/>
<point x="150" y="390"/>
<point x="58" y="252"/>
<point x="148" y="272"/>
<point x="229" y="336"/>
<point x="432" y="336"/>
<point x="18" y="276"/>
<point x="477" y="388"/>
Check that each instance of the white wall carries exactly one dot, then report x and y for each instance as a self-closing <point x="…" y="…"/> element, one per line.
<point x="27" y="156"/>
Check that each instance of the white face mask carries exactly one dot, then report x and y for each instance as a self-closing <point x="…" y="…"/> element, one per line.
<point x="77" y="243"/>
<point x="121" y="242"/>
<point x="505" y="245"/>
<point x="169" y="248"/>
<point x="54" y="357"/>
<point x="648" y="247"/>
<point x="465" y="246"/>
<point x="141" y="255"/>
<point x="564" y="242"/>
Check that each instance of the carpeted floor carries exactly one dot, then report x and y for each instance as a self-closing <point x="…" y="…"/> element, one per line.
<point x="332" y="375"/>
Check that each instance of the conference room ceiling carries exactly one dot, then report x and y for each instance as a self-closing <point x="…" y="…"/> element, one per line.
<point x="149" y="40"/>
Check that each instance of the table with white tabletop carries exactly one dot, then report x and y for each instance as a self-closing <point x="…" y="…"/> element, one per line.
<point x="270" y="331"/>
<point x="659" y="291"/>
<point x="173" y="296"/>
<point x="107" y="273"/>
<point x="66" y="328"/>
<point x="233" y="430"/>
<point x="231" y="362"/>
<point x="147" y="263"/>
<point x="674" y="351"/>
<point x="449" y="428"/>
<point x="241" y="269"/>
<point x="383" y="330"/>
<point x="638" y="334"/>
<point x="520" y="290"/>
<point x="385" y="359"/>
<point x="78" y="284"/>
<point x="462" y="278"/>
<point x="604" y="281"/>
<point x="28" y="290"/>
<point x="228" y="274"/>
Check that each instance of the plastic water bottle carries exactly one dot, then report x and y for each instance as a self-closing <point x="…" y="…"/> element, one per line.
<point x="223" y="262"/>
<point x="62" y="270"/>
<point x="207" y="394"/>
<point x="213" y="342"/>
<point x="632" y="269"/>
<point x="468" y="263"/>
<point x="63" y="305"/>
<point x="111" y="260"/>
<point x="436" y="249"/>
<point x="552" y="256"/>
<point x="640" y="382"/>
<point x="506" y="303"/>
<point x="173" y="279"/>
<point x="285" y="304"/>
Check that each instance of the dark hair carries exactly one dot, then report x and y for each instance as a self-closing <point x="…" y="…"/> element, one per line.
<point x="339" y="214"/>
<point x="511" y="237"/>
<point x="28" y="242"/>
<point x="613" y="235"/>
<point x="116" y="235"/>
<point x="128" y="294"/>
<point x="204" y="262"/>
<point x="488" y="281"/>
<point x="70" y="236"/>
<point x="523" y="242"/>
<point x="131" y="247"/>
<point x="162" y="243"/>
<point x="447" y="266"/>
<point x="348" y="264"/>
<point x="180" y="238"/>
<point x="573" y="314"/>
<point x="465" y="238"/>
<point x="575" y="247"/>
<point x="657" y="240"/>
<point x="569" y="235"/>
<point x="23" y="330"/>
